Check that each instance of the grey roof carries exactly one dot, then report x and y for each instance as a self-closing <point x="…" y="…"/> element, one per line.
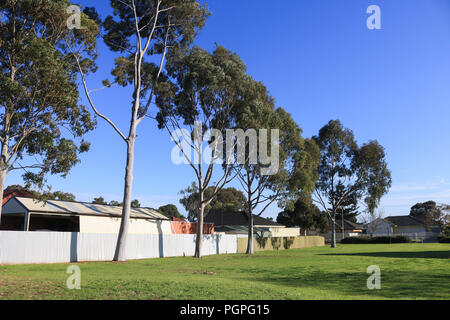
<point x="238" y="219"/>
<point x="243" y="230"/>
<point x="83" y="208"/>
<point x="348" y="225"/>
<point x="405" y="221"/>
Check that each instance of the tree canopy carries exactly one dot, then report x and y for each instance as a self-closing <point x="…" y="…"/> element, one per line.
<point x="305" y="215"/>
<point x="430" y="213"/>
<point x="41" y="122"/>
<point x="171" y="210"/>
<point x="226" y="200"/>
<point x="347" y="171"/>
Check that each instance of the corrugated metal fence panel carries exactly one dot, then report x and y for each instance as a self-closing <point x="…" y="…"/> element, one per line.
<point x="35" y="247"/>
<point x="18" y="247"/>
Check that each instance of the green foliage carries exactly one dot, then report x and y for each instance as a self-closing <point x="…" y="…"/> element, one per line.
<point x="135" y="203"/>
<point x="226" y="200"/>
<point x="276" y="243"/>
<point x="305" y="215"/>
<point x="430" y="213"/>
<point x="171" y="210"/>
<point x="261" y="239"/>
<point x="185" y="18"/>
<point x="361" y="172"/>
<point x="444" y="239"/>
<point x="298" y="158"/>
<point x="287" y="242"/>
<point x="38" y="90"/>
<point x="44" y="195"/>
<point x="59" y="195"/>
<point x="99" y="200"/>
<point x="177" y="24"/>
<point x="206" y="88"/>
<point x="374" y="240"/>
<point x="445" y="230"/>
<point x="349" y="205"/>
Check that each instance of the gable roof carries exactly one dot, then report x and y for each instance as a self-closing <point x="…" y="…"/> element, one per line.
<point x="405" y="221"/>
<point x="238" y="219"/>
<point x="8" y="194"/>
<point x="348" y="225"/>
<point x="83" y="208"/>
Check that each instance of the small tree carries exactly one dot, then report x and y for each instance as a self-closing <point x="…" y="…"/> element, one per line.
<point x="99" y="200"/>
<point x="171" y="210"/>
<point x="361" y="170"/>
<point x="41" y="121"/>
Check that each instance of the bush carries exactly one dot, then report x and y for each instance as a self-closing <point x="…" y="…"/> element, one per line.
<point x="374" y="240"/>
<point x="444" y="239"/>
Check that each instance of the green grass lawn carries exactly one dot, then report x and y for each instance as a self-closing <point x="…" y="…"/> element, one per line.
<point x="408" y="271"/>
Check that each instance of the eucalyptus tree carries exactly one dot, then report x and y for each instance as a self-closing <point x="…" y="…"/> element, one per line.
<point x="196" y="108"/>
<point x="296" y="158"/>
<point x="41" y="120"/>
<point x="141" y="32"/>
<point x="362" y="171"/>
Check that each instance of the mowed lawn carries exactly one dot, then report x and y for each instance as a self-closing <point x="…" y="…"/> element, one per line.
<point x="408" y="271"/>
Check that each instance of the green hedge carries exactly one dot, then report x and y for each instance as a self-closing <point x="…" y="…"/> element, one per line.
<point x="357" y="240"/>
<point x="444" y="239"/>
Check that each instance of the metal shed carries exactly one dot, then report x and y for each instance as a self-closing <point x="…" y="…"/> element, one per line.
<point x="29" y="214"/>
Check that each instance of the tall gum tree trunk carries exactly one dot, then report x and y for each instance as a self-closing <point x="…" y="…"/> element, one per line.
<point x="250" y="248"/>
<point x="333" y="231"/>
<point x="198" y="243"/>
<point x="4" y="155"/>
<point x="2" y="186"/>
<point x="126" y="209"/>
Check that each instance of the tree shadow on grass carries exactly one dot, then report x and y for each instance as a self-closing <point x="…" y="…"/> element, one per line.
<point x="413" y="254"/>
<point x="394" y="284"/>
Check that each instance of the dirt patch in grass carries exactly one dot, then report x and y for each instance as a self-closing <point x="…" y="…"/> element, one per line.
<point x="205" y="272"/>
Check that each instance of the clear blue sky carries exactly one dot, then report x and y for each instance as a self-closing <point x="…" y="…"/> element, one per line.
<point x="320" y="62"/>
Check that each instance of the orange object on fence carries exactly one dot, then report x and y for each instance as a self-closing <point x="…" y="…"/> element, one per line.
<point x="179" y="227"/>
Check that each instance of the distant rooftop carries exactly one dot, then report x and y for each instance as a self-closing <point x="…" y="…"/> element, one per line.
<point x="404" y="221"/>
<point x="83" y="208"/>
<point x="238" y="219"/>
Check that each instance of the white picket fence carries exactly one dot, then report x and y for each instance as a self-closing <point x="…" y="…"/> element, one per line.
<point x="18" y="247"/>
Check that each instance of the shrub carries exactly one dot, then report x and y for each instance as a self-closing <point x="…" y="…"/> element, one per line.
<point x="374" y="240"/>
<point x="276" y="243"/>
<point x="444" y="239"/>
<point x="287" y="242"/>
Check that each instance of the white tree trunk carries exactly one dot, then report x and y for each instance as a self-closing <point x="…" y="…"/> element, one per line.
<point x="198" y="243"/>
<point x="120" y="254"/>
<point x="333" y="231"/>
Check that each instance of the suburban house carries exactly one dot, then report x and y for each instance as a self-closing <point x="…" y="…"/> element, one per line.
<point x="237" y="223"/>
<point x="343" y="229"/>
<point x="28" y="214"/>
<point x="402" y="225"/>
